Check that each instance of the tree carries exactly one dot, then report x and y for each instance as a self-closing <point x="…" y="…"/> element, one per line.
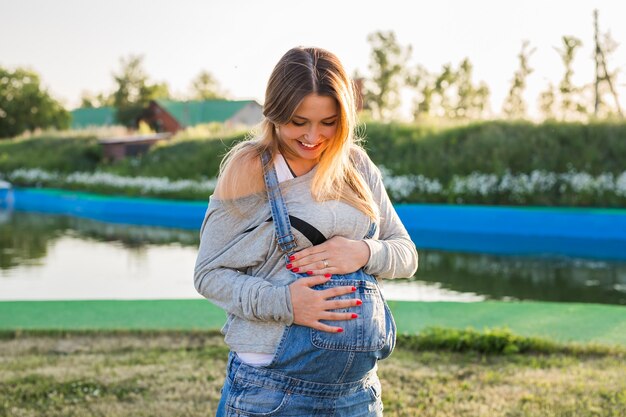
<point x="206" y="87"/>
<point x="514" y="106"/>
<point x="547" y="101"/>
<point x="423" y="82"/>
<point x="134" y="91"/>
<point x="443" y="84"/>
<point x="25" y="105"/>
<point x="131" y="80"/>
<point x="387" y="62"/>
<point x="449" y="94"/>
<point x="570" y="107"/>
<point x="605" y="79"/>
<point x="433" y="91"/>
<point x="455" y="96"/>
<point x="472" y="99"/>
<point x="88" y="100"/>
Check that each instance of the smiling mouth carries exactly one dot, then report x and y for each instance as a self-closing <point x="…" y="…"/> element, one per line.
<point x="309" y="147"/>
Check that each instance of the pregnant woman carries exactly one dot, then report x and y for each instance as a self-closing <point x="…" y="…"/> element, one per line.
<point x="296" y="236"/>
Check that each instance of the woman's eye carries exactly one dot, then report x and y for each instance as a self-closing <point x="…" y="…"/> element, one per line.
<point x="329" y="123"/>
<point x="297" y="123"/>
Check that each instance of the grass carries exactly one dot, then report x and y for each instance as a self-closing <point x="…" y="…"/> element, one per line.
<point x="559" y="322"/>
<point x="165" y="373"/>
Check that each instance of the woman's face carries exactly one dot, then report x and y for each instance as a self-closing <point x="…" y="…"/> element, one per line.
<point x="309" y="131"/>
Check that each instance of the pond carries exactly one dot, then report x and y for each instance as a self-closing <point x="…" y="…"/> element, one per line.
<point x="56" y="257"/>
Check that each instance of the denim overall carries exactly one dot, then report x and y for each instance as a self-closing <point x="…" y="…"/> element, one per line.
<point x="316" y="373"/>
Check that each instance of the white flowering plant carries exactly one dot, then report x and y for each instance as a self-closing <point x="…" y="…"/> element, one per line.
<point x="108" y="183"/>
<point x="536" y="188"/>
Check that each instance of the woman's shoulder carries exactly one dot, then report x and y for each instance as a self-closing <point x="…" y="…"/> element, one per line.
<point x="241" y="177"/>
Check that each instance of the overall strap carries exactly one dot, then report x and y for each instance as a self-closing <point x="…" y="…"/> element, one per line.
<point x="284" y="236"/>
<point x="371" y="231"/>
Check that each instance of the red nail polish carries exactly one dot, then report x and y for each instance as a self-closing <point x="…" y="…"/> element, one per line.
<point x="354" y="316"/>
<point x="295" y="269"/>
<point x="309" y="272"/>
<point x="327" y="275"/>
<point x="292" y="258"/>
<point x="353" y="288"/>
<point x="289" y="266"/>
<point x="359" y="302"/>
<point x="339" y="330"/>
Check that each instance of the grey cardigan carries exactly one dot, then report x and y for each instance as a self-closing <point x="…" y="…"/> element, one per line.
<point x="245" y="274"/>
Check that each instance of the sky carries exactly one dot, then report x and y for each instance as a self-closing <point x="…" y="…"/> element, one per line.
<point x="76" y="45"/>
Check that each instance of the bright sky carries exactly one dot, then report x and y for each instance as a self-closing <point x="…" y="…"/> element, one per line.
<point x="75" y="45"/>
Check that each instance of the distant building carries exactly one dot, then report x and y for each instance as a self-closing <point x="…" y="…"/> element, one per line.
<point x="117" y="148"/>
<point x="172" y="116"/>
<point x="93" y="117"/>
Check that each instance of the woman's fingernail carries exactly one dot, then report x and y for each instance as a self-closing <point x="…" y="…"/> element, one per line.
<point x="353" y="289"/>
<point x="309" y="272"/>
<point x="295" y="269"/>
<point x="292" y="258"/>
<point x="339" y="330"/>
<point x="289" y="266"/>
<point x="354" y="316"/>
<point x="359" y="302"/>
<point x="327" y="275"/>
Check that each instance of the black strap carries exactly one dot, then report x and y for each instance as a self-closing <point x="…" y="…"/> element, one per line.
<point x="315" y="236"/>
<point x="289" y="166"/>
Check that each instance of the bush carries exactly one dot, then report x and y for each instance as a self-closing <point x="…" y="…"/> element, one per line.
<point x="497" y="163"/>
<point x="498" y="147"/>
<point x="177" y="159"/>
<point x="492" y="341"/>
<point x="51" y="153"/>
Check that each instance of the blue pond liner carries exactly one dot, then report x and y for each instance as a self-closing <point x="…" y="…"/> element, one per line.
<point x="124" y="210"/>
<point x="578" y="232"/>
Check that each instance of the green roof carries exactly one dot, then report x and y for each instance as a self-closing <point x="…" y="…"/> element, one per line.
<point x="85" y="117"/>
<point x="190" y="113"/>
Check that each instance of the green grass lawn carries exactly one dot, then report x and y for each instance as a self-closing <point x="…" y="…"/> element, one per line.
<point x="179" y="373"/>
<point x="561" y="322"/>
<point x="162" y="358"/>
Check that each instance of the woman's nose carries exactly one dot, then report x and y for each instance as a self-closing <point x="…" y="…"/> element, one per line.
<point x="313" y="134"/>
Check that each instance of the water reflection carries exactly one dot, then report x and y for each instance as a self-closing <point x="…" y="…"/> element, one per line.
<point x="49" y="256"/>
<point x="531" y="278"/>
<point x="26" y="236"/>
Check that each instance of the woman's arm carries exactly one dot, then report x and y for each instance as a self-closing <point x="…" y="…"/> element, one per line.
<point x="223" y="255"/>
<point x="225" y="252"/>
<point x="393" y="253"/>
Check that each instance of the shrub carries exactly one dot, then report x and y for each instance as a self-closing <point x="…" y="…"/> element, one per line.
<point x="498" y="341"/>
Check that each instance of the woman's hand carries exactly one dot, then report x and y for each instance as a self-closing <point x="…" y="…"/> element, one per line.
<point x="310" y="306"/>
<point x="337" y="255"/>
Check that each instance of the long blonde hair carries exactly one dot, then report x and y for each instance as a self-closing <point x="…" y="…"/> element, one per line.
<point x="300" y="72"/>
